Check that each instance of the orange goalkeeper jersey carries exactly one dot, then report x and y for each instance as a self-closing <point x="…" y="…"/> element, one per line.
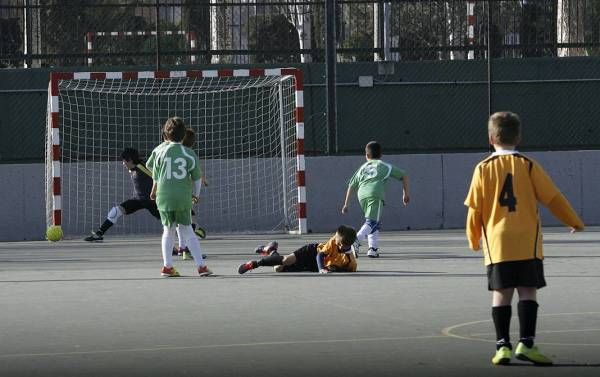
<point x="503" y="209"/>
<point x="335" y="257"/>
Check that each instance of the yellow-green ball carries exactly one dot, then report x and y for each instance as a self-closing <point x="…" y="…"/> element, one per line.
<point x="54" y="233"/>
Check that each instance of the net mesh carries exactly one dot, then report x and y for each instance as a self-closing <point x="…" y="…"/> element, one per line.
<point x="245" y="138"/>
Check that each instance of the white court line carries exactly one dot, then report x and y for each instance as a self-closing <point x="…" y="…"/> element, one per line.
<point x="215" y="346"/>
<point x="448" y="331"/>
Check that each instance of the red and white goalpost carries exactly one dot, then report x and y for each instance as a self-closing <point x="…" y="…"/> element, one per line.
<point x="90" y="38"/>
<point x="249" y="125"/>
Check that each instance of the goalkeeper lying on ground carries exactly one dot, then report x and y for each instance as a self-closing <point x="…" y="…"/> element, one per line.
<point x="334" y="255"/>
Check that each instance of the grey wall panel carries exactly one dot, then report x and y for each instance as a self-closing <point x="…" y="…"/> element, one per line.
<point x="457" y="170"/>
<point x="590" y="187"/>
<point x="439" y="184"/>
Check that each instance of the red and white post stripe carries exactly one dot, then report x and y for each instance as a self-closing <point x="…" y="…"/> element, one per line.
<point x="90" y="36"/>
<point x="471" y="28"/>
<point x="54" y="123"/>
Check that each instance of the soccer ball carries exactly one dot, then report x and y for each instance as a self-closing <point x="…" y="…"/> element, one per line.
<point x="54" y="233"/>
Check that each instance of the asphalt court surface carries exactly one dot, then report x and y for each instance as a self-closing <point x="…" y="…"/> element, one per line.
<point x="422" y="309"/>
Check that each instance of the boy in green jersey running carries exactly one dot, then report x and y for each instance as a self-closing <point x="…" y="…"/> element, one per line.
<point x="369" y="180"/>
<point x="177" y="180"/>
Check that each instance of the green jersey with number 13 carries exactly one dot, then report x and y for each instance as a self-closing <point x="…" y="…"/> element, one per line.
<point x="174" y="168"/>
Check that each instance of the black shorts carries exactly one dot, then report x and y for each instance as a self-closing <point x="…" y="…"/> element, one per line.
<point x="306" y="259"/>
<point x="133" y="205"/>
<point x="526" y="273"/>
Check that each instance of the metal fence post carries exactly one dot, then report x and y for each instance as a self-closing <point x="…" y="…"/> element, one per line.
<point x="157" y="35"/>
<point x="330" y="75"/>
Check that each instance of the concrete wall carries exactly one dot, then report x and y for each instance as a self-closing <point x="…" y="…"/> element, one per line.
<point x="439" y="184"/>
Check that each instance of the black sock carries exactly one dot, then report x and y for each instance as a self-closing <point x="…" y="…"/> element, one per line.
<point x="104" y="227"/>
<point x="272" y="260"/>
<point x="527" y="321"/>
<point x="501" y="316"/>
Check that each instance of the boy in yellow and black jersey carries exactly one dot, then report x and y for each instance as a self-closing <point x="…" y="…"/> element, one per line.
<point x="335" y="255"/>
<point x="503" y="212"/>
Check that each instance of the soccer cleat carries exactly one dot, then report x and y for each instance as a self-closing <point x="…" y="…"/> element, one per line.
<point x="186" y="255"/>
<point x="531" y="354"/>
<point x="175" y="251"/>
<point x="247" y="267"/>
<point x="372" y="253"/>
<point x="95" y="236"/>
<point x="268" y="249"/>
<point x="204" y="271"/>
<point x="502" y="356"/>
<point x="169" y="272"/>
<point x="199" y="231"/>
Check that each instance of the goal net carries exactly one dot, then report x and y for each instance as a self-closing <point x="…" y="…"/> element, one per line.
<point x="249" y="137"/>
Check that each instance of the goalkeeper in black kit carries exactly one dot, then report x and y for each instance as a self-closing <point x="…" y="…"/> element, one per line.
<point x="141" y="178"/>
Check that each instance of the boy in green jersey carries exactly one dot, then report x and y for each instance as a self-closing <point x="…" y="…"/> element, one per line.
<point x="177" y="179"/>
<point x="369" y="182"/>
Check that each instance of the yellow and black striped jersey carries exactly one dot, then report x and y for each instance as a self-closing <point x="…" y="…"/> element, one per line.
<point x="502" y="199"/>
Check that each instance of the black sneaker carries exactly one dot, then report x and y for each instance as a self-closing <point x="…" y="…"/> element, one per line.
<point x="268" y="249"/>
<point x="199" y="231"/>
<point x="247" y="267"/>
<point x="95" y="236"/>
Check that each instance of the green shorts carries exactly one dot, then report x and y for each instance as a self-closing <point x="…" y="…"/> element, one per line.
<point x="169" y="218"/>
<point x="372" y="208"/>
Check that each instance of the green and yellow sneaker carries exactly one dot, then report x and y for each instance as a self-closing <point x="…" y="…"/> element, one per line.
<point x="502" y="356"/>
<point x="531" y="354"/>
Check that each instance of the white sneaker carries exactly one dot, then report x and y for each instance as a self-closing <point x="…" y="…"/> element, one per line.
<point x="372" y="253"/>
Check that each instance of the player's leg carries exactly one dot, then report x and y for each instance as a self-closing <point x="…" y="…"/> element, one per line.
<point x="125" y="208"/>
<point x="150" y="205"/>
<point x="374" y="219"/>
<point x="531" y="277"/>
<point x="266" y="249"/>
<point x="182" y="248"/>
<point x="501" y="282"/>
<point x="184" y="219"/>
<point x="273" y="259"/>
<point x="168" y="220"/>
<point x="501" y="315"/>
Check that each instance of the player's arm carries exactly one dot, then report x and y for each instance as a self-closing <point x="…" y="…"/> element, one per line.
<point x="474" y="227"/>
<point x="153" y="191"/>
<point x="196" y="191"/>
<point x="349" y="193"/>
<point x="321" y="263"/>
<point x="563" y="211"/>
<point x="551" y="197"/>
<point x="405" y="190"/>
<point x="196" y="175"/>
<point x="401" y="175"/>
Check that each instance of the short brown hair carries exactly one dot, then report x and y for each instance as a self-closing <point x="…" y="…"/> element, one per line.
<point x="373" y="149"/>
<point x="347" y="234"/>
<point x="189" y="138"/>
<point x="174" y="129"/>
<point x="505" y="128"/>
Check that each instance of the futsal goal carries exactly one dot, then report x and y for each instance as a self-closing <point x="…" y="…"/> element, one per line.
<point x="249" y="137"/>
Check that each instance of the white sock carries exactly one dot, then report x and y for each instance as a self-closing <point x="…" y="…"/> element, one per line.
<point x="187" y="233"/>
<point x="180" y="238"/>
<point x="167" y="245"/>
<point x="374" y="240"/>
<point x="363" y="232"/>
